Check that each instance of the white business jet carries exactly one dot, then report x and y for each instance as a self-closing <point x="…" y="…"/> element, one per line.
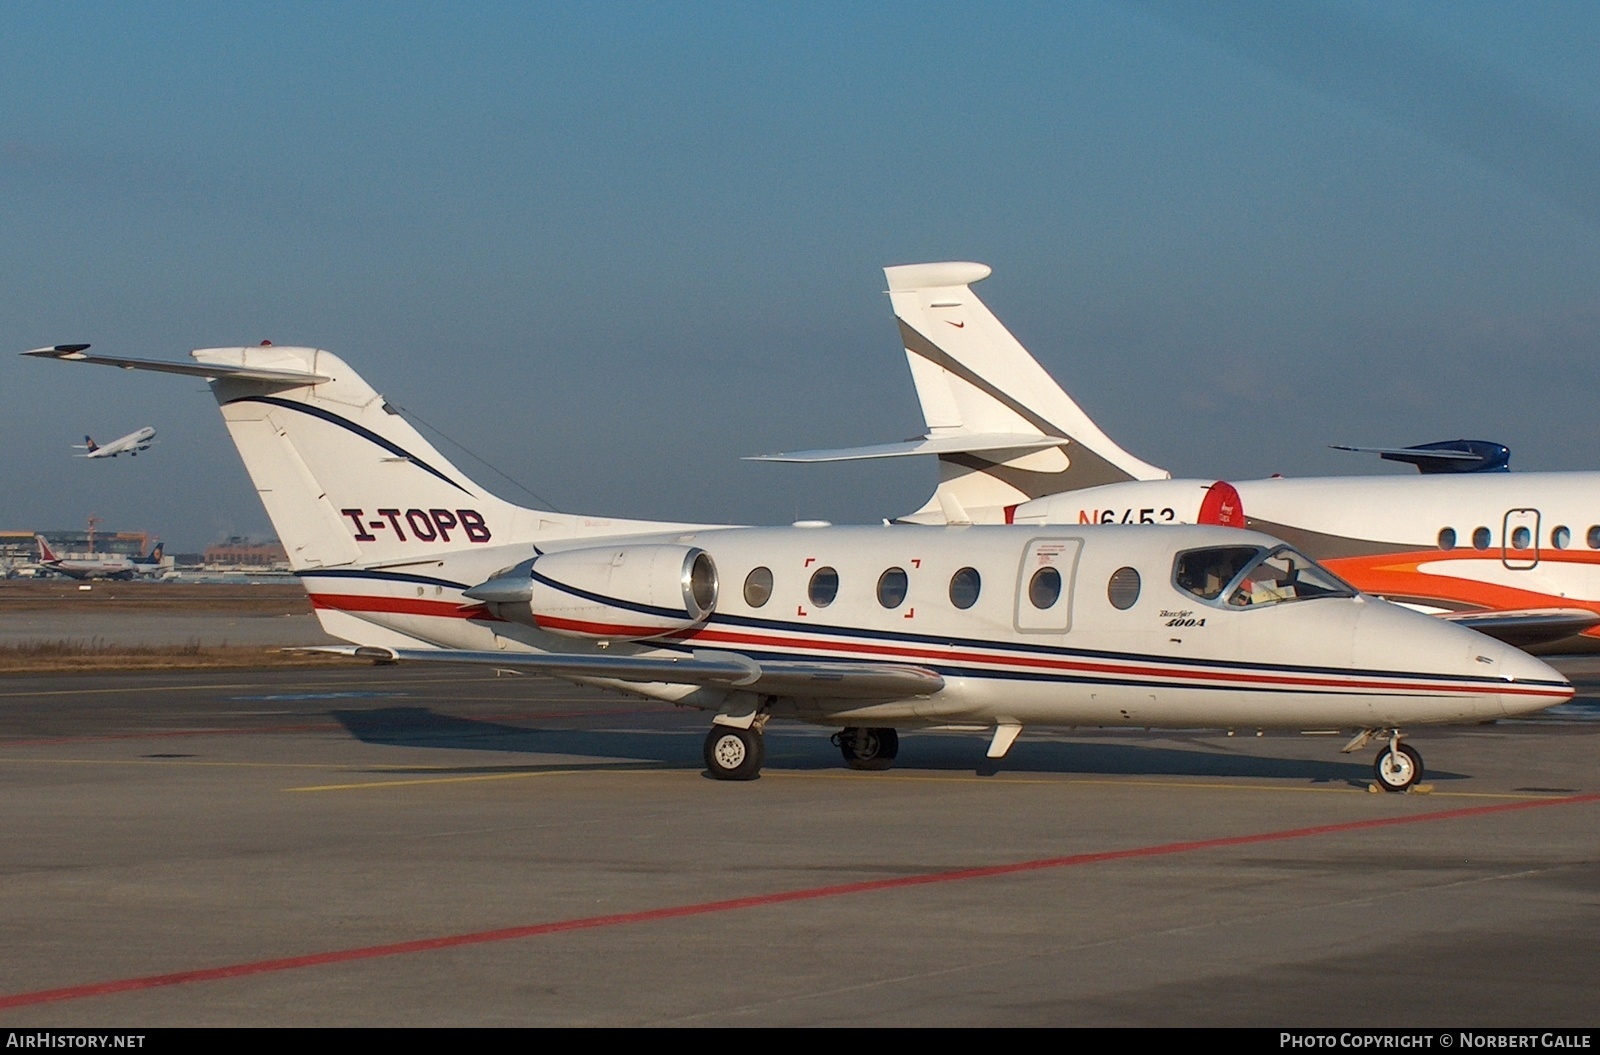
<point x="131" y="444"/>
<point x="870" y="629"/>
<point x="1516" y="555"/>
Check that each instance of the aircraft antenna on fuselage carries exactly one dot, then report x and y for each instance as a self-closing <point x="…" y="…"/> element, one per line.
<point x="413" y="416"/>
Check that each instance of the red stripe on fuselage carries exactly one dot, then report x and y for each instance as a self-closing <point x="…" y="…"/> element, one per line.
<point x="1084" y="666"/>
<point x="357" y="602"/>
<point x="952" y="655"/>
<point x="908" y="653"/>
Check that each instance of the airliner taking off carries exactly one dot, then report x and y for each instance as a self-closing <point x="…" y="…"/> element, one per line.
<point x="105" y="566"/>
<point x="131" y="445"/>
<point x="867" y="629"/>
<point x="1516" y="555"/>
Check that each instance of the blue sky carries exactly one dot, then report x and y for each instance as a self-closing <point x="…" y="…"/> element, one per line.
<point x="612" y="247"/>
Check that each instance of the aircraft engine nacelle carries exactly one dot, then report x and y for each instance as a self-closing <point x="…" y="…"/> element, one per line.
<point x="607" y="592"/>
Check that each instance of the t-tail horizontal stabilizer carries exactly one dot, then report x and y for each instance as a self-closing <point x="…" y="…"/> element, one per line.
<point x="1446" y="456"/>
<point x="954" y="443"/>
<point x="209" y="371"/>
<point x="1003" y="430"/>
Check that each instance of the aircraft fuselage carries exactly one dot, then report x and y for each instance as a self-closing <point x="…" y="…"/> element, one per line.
<point x="1169" y="657"/>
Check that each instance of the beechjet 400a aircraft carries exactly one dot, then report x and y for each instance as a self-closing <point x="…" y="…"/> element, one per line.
<point x="1516" y="555"/>
<point x="869" y="629"/>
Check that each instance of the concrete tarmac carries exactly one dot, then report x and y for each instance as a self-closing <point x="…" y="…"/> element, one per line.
<point x="160" y="628"/>
<point x="411" y="846"/>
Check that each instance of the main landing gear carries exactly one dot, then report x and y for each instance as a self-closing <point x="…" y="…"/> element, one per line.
<point x="1397" y="767"/>
<point x="733" y="753"/>
<point x="868" y="748"/>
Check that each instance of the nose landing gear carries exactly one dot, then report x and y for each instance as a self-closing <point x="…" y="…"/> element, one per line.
<point x="1398" y="766"/>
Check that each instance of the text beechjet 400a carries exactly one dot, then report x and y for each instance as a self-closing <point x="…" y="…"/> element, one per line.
<point x="871" y="629"/>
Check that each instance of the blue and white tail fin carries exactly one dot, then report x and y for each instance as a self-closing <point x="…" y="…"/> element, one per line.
<point x="1003" y="430"/>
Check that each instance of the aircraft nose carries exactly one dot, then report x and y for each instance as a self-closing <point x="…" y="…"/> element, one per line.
<point x="1530" y="683"/>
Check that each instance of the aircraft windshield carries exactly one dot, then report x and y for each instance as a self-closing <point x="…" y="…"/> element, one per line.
<point x="1248" y="576"/>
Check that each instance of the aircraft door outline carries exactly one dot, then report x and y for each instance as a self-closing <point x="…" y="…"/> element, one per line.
<point x="1036" y="584"/>
<point x="1517" y="522"/>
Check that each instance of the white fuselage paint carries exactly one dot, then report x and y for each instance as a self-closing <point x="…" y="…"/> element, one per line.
<point x="1329" y="662"/>
<point x="1449" y="541"/>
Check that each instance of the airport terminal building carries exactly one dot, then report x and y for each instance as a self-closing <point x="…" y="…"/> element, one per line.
<point x="19" y="551"/>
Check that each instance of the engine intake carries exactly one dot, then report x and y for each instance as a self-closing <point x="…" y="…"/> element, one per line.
<point x="607" y="593"/>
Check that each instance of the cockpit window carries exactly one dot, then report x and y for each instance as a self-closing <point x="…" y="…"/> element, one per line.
<point x="1250" y="577"/>
<point x="1207" y="572"/>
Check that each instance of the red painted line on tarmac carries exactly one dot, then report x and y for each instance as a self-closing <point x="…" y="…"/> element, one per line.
<point x="453" y="941"/>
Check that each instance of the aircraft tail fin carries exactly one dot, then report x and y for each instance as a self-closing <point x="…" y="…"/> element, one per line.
<point x="977" y="383"/>
<point x="46" y="554"/>
<point x="344" y="477"/>
<point x="90" y="445"/>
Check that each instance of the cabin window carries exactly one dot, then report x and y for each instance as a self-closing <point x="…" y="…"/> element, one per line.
<point x="1561" y="537"/>
<point x="758" y="587"/>
<point x="1520" y="537"/>
<point x="1258" y="577"/>
<point x="1447" y="538"/>
<point x="1480" y="538"/>
<point x="824" y="587"/>
<point x="1594" y="537"/>
<point x="1044" y="589"/>
<point x="1123" y="589"/>
<point x="964" y="587"/>
<point x="892" y="586"/>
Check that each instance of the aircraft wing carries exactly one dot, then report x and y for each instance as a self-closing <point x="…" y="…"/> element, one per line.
<point x="958" y="443"/>
<point x="723" y="669"/>
<point x="1527" y="626"/>
<point x="75" y="353"/>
